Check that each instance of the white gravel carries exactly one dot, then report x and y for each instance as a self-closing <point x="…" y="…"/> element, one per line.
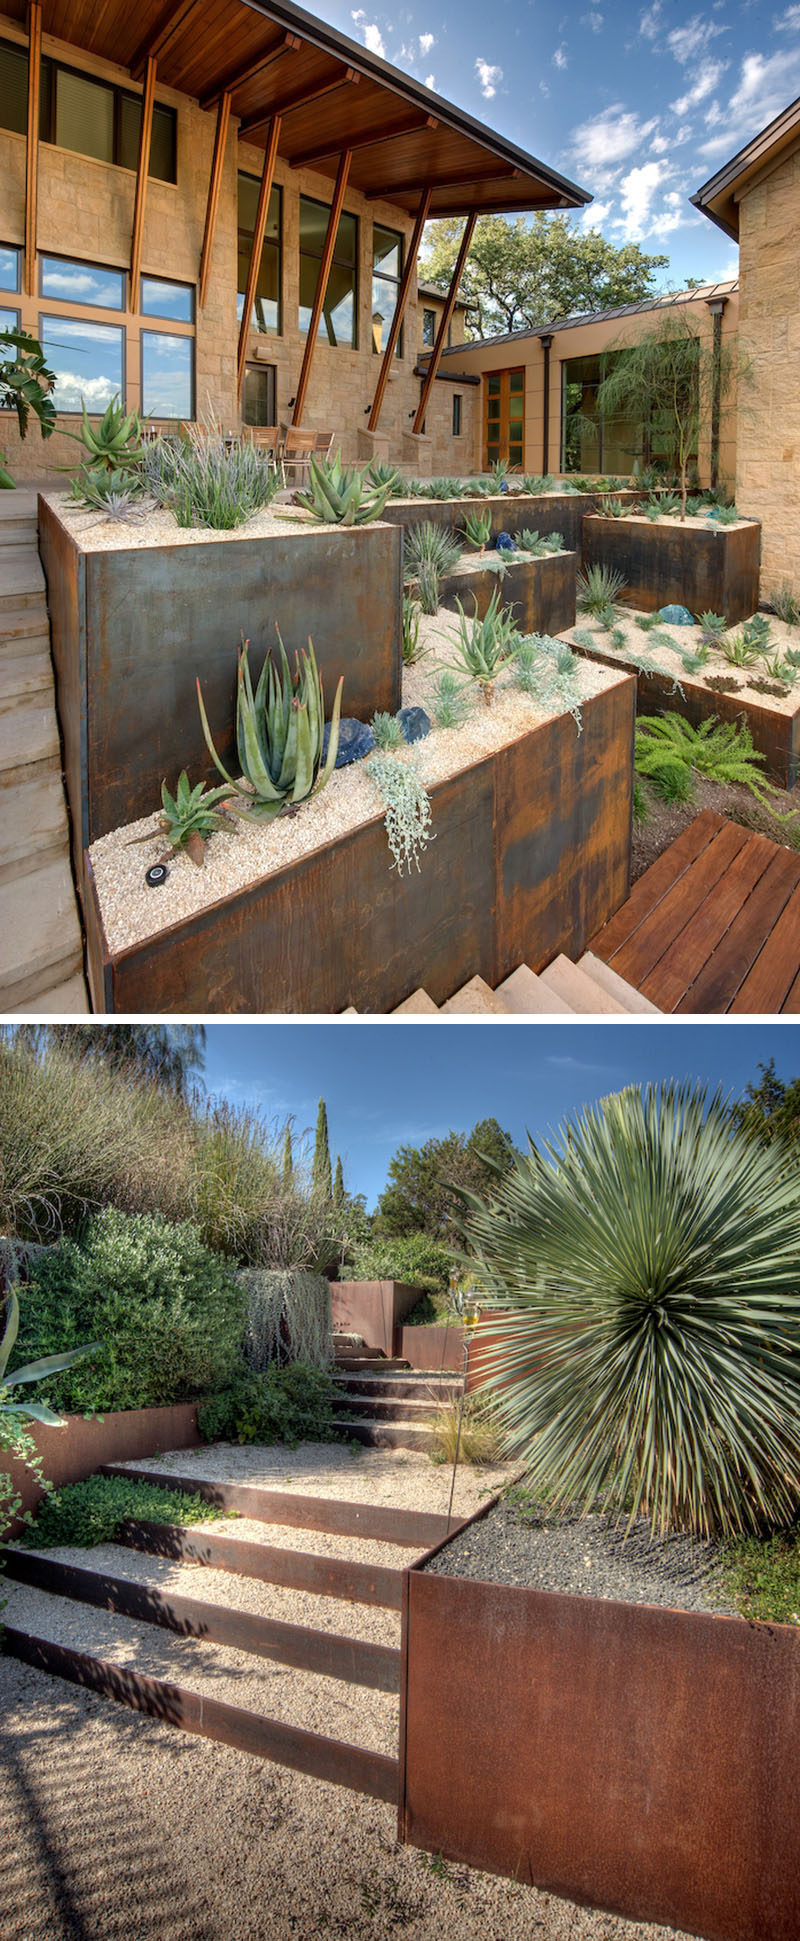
<point x="95" y="534"/>
<point x="118" y="1828"/>
<point x="668" y="660"/>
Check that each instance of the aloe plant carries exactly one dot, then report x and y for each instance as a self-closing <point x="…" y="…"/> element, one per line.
<point x="116" y="444"/>
<point x="280" y="732"/>
<point x="485" y="646"/>
<point x="191" y="815"/>
<point x="477" y="529"/>
<point x="338" y="494"/>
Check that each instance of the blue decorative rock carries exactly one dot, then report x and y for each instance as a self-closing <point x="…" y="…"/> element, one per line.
<point x="504" y="543"/>
<point x="356" y="740"/>
<point x="414" y="723"/>
<point x="676" y="616"/>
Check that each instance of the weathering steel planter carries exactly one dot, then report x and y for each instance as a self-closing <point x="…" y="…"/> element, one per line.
<point x="134" y="626"/>
<point x="69" y="1454"/>
<point x="642" y="1760"/>
<point x="707" y="568"/>
<point x="373" y="1309"/>
<point x="541" y="589"/>
<point x="514" y="512"/>
<point x="531" y="854"/>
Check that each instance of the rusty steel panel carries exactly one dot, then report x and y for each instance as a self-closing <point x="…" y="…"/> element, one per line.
<point x="714" y="571"/>
<point x="354" y="1660"/>
<point x="434" y="1348"/>
<point x="379" y="1521"/>
<point x="300" y="1570"/>
<point x="69" y="1454"/>
<point x="212" y="1718"/>
<point x="374" y="1309"/>
<point x="641" y="1760"/>
<point x="545" y="513"/>
<point x="540" y="590"/>
<point x="65" y="573"/>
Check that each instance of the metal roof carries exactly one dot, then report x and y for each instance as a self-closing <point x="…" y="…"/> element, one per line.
<point x="704" y="294"/>
<point x="719" y="198"/>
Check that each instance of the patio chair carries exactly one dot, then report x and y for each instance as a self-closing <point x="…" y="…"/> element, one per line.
<point x="298" y="447"/>
<point x="266" y="438"/>
<point x="324" y="445"/>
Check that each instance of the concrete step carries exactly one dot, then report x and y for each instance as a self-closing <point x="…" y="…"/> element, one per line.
<point x="418" y="1383"/>
<point x="368" y="1364"/>
<point x="609" y="980"/>
<point x="419" y="1004"/>
<point x="580" y="992"/>
<point x="67" y="1000"/>
<point x="25" y="674"/>
<point x="524" y="993"/>
<point x="24" y="624"/>
<point x="376" y="1409"/>
<point x="40" y="937"/>
<point x="33" y="825"/>
<point x="22" y="582"/>
<point x="22" y="530"/>
<point x="384" y="1435"/>
<point x="474" y="998"/>
<point x="28" y="734"/>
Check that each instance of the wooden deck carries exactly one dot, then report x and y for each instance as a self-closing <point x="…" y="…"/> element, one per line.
<point x="713" y="926"/>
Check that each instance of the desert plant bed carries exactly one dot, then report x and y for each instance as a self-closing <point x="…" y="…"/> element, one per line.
<point x="665" y="659"/>
<point x="620" y="1737"/>
<point x="541" y="591"/>
<point x="530" y="853"/>
<point x="140" y="608"/>
<point x="560" y="509"/>
<point x="69" y="1454"/>
<point x="696" y="561"/>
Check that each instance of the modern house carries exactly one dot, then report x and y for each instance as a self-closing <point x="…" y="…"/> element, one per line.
<point x="755" y="199"/>
<point x="217" y="206"/>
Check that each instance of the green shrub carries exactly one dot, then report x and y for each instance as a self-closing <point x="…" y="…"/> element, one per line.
<point x="167" y="1312"/>
<point x="91" y="1512"/>
<point x="292" y="1404"/>
<point x="409" y="1257"/>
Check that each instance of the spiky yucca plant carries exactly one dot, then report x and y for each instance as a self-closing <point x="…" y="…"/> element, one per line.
<point x="279" y="734"/>
<point x="651" y="1359"/>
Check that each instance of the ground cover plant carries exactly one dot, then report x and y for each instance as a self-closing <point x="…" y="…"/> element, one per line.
<point x="292" y="1404"/>
<point x="670" y="754"/>
<point x="406" y="807"/>
<point x="649" y="1257"/>
<point x="92" y="1512"/>
<point x="763" y="1578"/>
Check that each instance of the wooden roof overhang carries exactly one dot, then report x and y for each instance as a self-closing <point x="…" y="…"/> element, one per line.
<point x="720" y="197"/>
<point x="272" y="58"/>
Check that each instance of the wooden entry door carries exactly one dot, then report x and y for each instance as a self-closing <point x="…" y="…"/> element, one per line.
<point x="504" y="418"/>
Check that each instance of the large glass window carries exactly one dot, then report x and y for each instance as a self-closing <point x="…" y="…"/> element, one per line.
<point x="592" y="443"/>
<point x="90" y="116"/>
<point x="266" y="318"/>
<point x="13" y="87"/>
<point x="338" y="323"/>
<point x="387" y="269"/>
<point x="87" y="359"/>
<point x="167" y="375"/>
<point x="9" y="267"/>
<point x="9" y="320"/>
<point x="162" y="299"/>
<point x="429" y="328"/>
<point x="86" y="283"/>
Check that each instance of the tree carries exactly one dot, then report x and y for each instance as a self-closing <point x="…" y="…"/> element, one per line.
<point x="650" y="1363"/>
<point x="523" y="271"/>
<point x="168" y="1055"/>
<point x="338" y="1184"/>
<point x="770" y="1111"/>
<point x="25" y="381"/>
<point x="421" y="1196"/>
<point x="667" y="380"/>
<point x="321" y="1164"/>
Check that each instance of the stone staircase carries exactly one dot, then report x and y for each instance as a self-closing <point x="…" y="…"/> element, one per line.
<point x="384" y="1402"/>
<point x="589" y="988"/>
<point x="41" y="951"/>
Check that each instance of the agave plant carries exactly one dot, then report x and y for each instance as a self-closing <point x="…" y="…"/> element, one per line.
<point x="191" y="815"/>
<point x="598" y="589"/>
<point x="485" y="646"/>
<point x="651" y="1360"/>
<point x="280" y="733"/>
<point x="12" y="1412"/>
<point x="338" y="494"/>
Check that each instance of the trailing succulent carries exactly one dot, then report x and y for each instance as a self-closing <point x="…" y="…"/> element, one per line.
<point x="280" y="732"/>
<point x="406" y="806"/>
<point x="338" y="494"/>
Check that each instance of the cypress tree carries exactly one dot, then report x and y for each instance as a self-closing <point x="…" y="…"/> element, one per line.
<point x="338" y="1183"/>
<point x="321" y="1167"/>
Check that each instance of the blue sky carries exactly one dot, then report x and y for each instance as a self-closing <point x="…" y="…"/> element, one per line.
<point x="638" y="104"/>
<point x="387" y="1085"/>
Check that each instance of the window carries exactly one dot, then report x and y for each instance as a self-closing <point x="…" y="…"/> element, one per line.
<point x="387" y="269"/>
<point x="87" y="359"/>
<point x="89" y="284"/>
<point x="259" y="397"/>
<point x="339" y="315"/>
<point x="172" y="300"/>
<point x="9" y="267"/>
<point x="9" y="320"/>
<point x="457" y="414"/>
<point x="429" y="328"/>
<point x="266" y="316"/>
<point x="92" y="117"/>
<point x="504" y="417"/>
<point x="167" y="375"/>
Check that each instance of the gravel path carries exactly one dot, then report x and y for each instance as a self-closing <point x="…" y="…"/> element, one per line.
<point x="120" y="1828"/>
<point x="590" y="1556"/>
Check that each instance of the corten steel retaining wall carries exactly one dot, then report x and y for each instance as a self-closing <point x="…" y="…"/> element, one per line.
<point x="777" y="735"/>
<point x="68" y="1455"/>
<point x="532" y="855"/>
<point x="373" y="1309"/>
<point x="540" y="590"/>
<point x="714" y="571"/>
<point x="131" y="629"/>
<point x="640" y="1760"/>
<point x="434" y="1348"/>
<point x="545" y="512"/>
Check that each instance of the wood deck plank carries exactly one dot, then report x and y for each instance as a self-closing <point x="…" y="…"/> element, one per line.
<point x="769" y="982"/>
<point x="687" y="956"/>
<point x="719" y="983"/>
<point x="640" y="956"/>
<point x="655" y="883"/>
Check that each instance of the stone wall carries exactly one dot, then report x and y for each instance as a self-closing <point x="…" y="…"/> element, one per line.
<point x="768" y="468"/>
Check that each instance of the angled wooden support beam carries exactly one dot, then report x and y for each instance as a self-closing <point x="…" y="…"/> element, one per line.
<point x="32" y="146"/>
<point x="441" y="334"/>
<point x="142" y="176"/>
<point x="408" y="277"/>
<point x="237" y="76"/>
<point x="457" y="179"/>
<point x="329" y="244"/>
<point x="387" y="132"/>
<point x="214" y="187"/>
<point x="262" y="211"/>
<point x="300" y="98"/>
<point x="167" y="26"/>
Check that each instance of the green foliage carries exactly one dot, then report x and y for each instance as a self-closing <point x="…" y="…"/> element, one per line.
<point x="477" y="529"/>
<point x="321" y="1164"/>
<point x="279" y="734"/>
<point x="115" y="454"/>
<point x="770" y="1111"/>
<point x="25" y="380"/>
<point x="727" y="516"/>
<point x="385" y="477"/>
<point x="498" y="472"/>
<point x="740" y="651"/>
<point x="650" y="1259"/>
<point x="429" y="586"/>
<point x="667" y="380"/>
<point x="538" y="482"/>
<point x="423" y="1183"/>
<point x="780" y="670"/>
<point x="612" y="508"/>
<point x="763" y="1577"/>
<point x="412" y="651"/>
<point x="642" y="809"/>
<point x="549" y="673"/>
<point x="598" y="588"/>
<point x="449" y="700"/>
<point x="483" y="647"/>
<point x="785" y="605"/>
<point x="288" y="1316"/>
<point x="406" y="806"/>
<point x="13" y="1412"/>
<point x="192" y="814"/>
<point x="338" y="494"/>
<point x="713" y="626"/>
<point x="475" y="1440"/>
<point x="290" y="1405"/>
<point x="445" y="488"/>
<point x="166" y="1312"/>
<point x="387" y="731"/>
<point x="204" y="484"/>
<point x="522" y="271"/>
<point x="117" y="494"/>
<point x="531" y="542"/>
<point x="646" y="621"/>
<point x="670" y="752"/>
<point x="85" y="1514"/>
<point x="429" y="544"/>
<point x="693" y="663"/>
<point x="411" y="1257"/>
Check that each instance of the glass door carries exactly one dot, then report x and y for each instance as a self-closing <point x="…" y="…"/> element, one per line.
<point x="504" y="418"/>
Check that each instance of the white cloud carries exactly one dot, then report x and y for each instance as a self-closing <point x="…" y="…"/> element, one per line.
<point x="543" y="88"/>
<point x="593" y="20"/>
<point x="708" y="75"/>
<point x="609" y="137"/>
<point x="788" y="22"/>
<point x="765" y="87"/>
<point x="687" y="43"/>
<point x="660" y="145"/>
<point x="370" y="32"/>
<point x="638" y="190"/>
<point x="560" y="58"/>
<point x="430" y="80"/>
<point x="426" y="42"/>
<point x="488" y="77"/>
<point x="597" y="213"/>
<point x="650" y="21"/>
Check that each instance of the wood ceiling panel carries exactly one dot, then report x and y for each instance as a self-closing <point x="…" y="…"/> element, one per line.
<point x="303" y="69"/>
